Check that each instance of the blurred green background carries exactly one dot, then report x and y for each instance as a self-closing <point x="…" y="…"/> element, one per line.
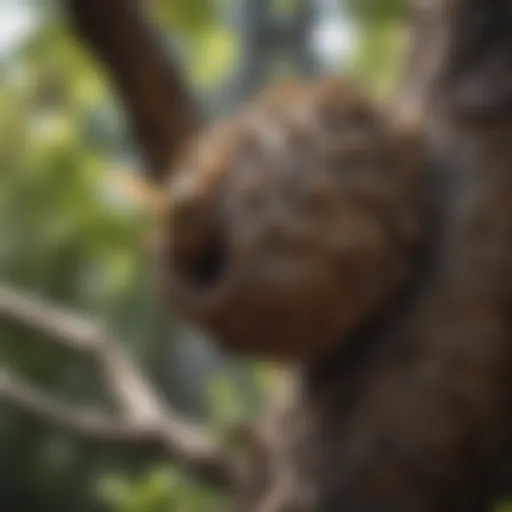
<point x="73" y="228"/>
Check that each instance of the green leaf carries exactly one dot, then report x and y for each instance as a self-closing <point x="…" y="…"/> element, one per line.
<point x="378" y="55"/>
<point x="185" y="16"/>
<point x="375" y="11"/>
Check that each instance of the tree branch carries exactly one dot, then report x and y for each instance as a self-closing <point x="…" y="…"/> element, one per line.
<point x="142" y="419"/>
<point x="421" y="61"/>
<point x="150" y="85"/>
<point x="89" y="425"/>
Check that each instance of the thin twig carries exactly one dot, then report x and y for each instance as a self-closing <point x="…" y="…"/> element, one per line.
<point x="90" y="425"/>
<point x="142" y="418"/>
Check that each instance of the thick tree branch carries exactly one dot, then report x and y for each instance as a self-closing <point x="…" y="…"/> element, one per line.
<point x="142" y="419"/>
<point x="154" y="93"/>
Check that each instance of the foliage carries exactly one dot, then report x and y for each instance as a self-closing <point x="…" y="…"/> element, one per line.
<point x="70" y="234"/>
<point x="209" y="46"/>
<point x="375" y="11"/>
<point x="378" y="56"/>
<point x="159" y="490"/>
<point x="63" y="239"/>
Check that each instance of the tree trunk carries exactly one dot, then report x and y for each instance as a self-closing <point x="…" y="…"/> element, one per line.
<point x="415" y="415"/>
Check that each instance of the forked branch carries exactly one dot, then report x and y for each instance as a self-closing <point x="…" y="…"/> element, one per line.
<point x="140" y="420"/>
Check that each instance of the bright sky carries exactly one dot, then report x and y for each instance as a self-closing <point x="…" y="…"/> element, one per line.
<point x="15" y="22"/>
<point x="332" y="39"/>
